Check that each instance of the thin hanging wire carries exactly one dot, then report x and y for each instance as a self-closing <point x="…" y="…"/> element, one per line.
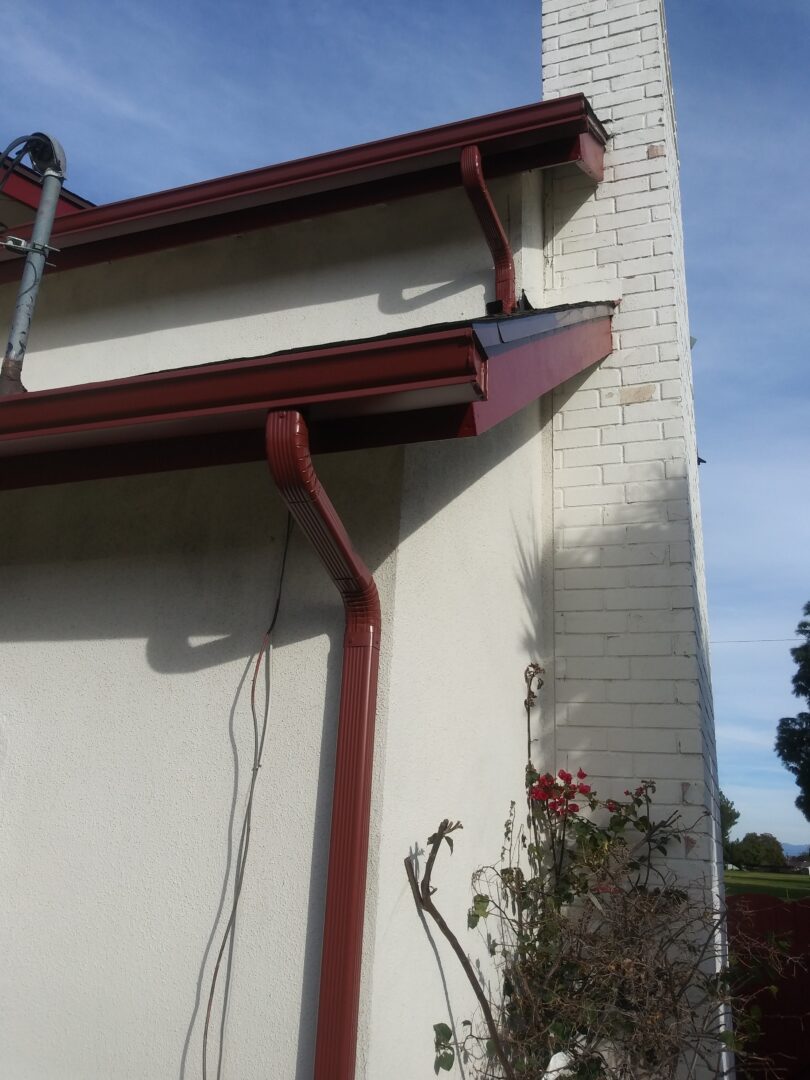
<point x="259" y="735"/>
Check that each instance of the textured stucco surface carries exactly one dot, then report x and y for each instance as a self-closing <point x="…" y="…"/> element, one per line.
<point x="384" y="268"/>
<point x="131" y="609"/>
<point x="466" y="601"/>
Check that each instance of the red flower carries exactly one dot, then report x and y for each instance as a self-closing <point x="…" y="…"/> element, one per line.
<point x="612" y="806"/>
<point x="547" y="780"/>
<point x="639" y="791"/>
<point x="583" y="789"/>
<point x="581" y="775"/>
<point x="566" y="777"/>
<point x="539" y="794"/>
<point x="573" y="807"/>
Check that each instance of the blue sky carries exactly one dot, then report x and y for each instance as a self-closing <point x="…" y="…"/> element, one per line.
<point x="148" y="95"/>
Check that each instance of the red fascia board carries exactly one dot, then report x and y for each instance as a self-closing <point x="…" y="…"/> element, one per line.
<point x="25" y="189"/>
<point x="532" y="136"/>
<point x="438" y="385"/>
<point x="445" y="365"/>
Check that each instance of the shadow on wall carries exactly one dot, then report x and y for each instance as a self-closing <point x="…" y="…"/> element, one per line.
<point x="410" y="254"/>
<point x="169" y="558"/>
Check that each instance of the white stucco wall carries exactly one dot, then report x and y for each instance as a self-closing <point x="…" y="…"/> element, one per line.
<point x="131" y="609"/>
<point x="377" y="270"/>
<point x="466" y="602"/>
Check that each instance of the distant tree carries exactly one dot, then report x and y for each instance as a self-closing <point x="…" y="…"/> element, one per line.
<point x="757" y="849"/>
<point x="729" y="816"/>
<point x="793" y="732"/>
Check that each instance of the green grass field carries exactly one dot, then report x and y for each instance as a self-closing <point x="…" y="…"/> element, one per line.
<point x="785" y="886"/>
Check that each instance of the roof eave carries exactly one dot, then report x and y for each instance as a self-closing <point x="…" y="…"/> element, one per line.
<point x="560" y="131"/>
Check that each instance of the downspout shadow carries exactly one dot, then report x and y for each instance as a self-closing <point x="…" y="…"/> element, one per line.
<point x="414" y="854"/>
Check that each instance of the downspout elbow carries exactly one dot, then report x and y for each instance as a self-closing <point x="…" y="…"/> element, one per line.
<point x="339" y="996"/>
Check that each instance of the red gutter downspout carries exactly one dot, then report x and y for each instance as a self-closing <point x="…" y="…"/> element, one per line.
<point x="288" y="454"/>
<point x="472" y="176"/>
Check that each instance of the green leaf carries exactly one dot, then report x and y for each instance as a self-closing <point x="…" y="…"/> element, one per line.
<point x="481" y="905"/>
<point x="472" y="920"/>
<point x="444" y="1060"/>
<point x="443" y="1034"/>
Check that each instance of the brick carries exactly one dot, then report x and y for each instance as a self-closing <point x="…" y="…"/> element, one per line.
<point x="645" y="167"/>
<point x="634" y="691"/>
<point x="660" y="575"/>
<point x="564" y="440"/>
<point x="636" y="598"/>
<point x="668" y="766"/>
<point x="635" y="741"/>
<point x="638" y="471"/>
<point x="664" y="667"/>
<point x="578" y="600"/>
<point x="652" y="410"/>
<point x="661" y="369"/>
<point x="596" y="714"/>
<point x="580" y="740"/>
<point x="590" y="474"/>
<point x="632" y="514"/>
<point x="656" y="622"/>
<point x="634" y="555"/>
<point x="623" y="39"/>
<point x="592" y="417"/>
<point x="648" y="264"/>
<point x="582" y="399"/>
<point x="596" y="495"/>
<point x="654" y="449"/>
<point x="585" y="690"/>
<point x="642" y="198"/>
<point x="655" y="490"/>
<point x="637" y="644"/>
<point x="671" y="530"/>
<point x="594" y="578"/>
<point x="573" y="557"/>
<point x="629" y="433"/>
<point x="627" y="219"/>
<point x="579" y="645"/>
<point x="577" y="516"/>
<point x="626" y="254"/>
<point x="680" y="552"/>
<point x="598" y="667"/>
<point x="595" y="622"/>
<point x="671" y="715"/>
<point x="592" y="455"/>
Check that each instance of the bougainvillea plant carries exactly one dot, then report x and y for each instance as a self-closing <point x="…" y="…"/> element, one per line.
<point x="608" y="967"/>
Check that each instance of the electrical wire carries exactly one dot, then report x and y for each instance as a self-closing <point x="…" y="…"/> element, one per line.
<point x="753" y="640"/>
<point x="12" y="146"/>
<point x="259" y="735"/>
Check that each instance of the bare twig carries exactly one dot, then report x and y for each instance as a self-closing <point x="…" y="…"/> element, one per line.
<point x="423" y="898"/>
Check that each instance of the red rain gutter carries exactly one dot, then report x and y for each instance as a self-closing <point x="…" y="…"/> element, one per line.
<point x="339" y="999"/>
<point x="472" y="176"/>
<point x="542" y="135"/>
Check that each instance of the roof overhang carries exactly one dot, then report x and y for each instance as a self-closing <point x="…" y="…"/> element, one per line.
<point x="24" y="186"/>
<point x="437" y="383"/>
<point x="549" y="133"/>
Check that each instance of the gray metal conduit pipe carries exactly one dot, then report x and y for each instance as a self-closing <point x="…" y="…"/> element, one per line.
<point x="48" y="159"/>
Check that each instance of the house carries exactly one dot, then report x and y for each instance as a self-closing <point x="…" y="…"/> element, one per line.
<point x="464" y="354"/>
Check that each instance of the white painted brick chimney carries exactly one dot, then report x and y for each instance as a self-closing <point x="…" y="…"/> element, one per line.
<point x="632" y="688"/>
